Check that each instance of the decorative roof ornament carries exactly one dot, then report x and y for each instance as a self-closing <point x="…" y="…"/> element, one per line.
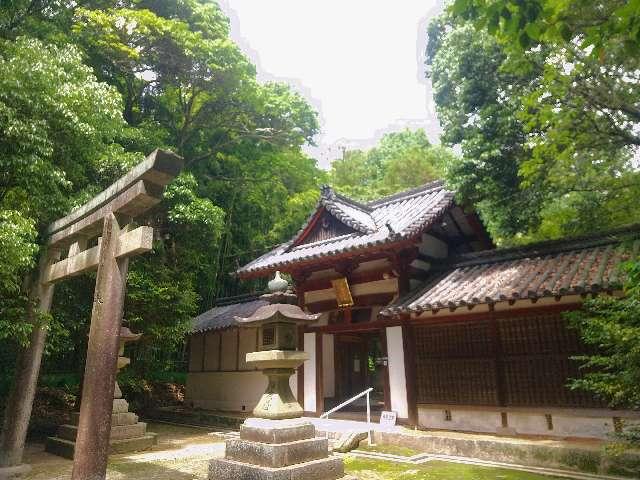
<point x="278" y="284"/>
<point x="327" y="192"/>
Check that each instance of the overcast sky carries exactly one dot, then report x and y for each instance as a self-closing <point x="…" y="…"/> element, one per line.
<point x="360" y="63"/>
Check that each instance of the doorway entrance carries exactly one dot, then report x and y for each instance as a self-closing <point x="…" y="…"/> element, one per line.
<point x="360" y="363"/>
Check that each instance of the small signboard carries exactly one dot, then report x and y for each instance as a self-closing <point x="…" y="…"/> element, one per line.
<point x="388" y="419"/>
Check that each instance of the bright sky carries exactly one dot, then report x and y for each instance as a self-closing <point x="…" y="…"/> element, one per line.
<point x="358" y="62"/>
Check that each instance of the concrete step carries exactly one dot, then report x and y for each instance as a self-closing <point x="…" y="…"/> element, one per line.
<point x="277" y="454"/>
<point x="137" y="444"/>
<point x="122" y="432"/>
<point x="330" y="468"/>
<point x="68" y="432"/>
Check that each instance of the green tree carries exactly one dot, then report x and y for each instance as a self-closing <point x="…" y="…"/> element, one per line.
<point x="401" y="160"/>
<point x="546" y="140"/>
<point x="183" y="85"/>
<point x="58" y="131"/>
<point x="612" y="327"/>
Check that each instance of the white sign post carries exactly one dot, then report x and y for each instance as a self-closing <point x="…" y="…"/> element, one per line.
<point x="388" y="419"/>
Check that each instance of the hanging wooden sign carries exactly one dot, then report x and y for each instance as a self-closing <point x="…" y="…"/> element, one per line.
<point x="342" y="291"/>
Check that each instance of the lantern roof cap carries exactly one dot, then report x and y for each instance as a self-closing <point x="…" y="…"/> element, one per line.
<point x="277" y="312"/>
<point x="127" y="335"/>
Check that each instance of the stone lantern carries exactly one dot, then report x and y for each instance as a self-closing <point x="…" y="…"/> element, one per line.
<point x="126" y="336"/>
<point x="276" y="443"/>
<point x="277" y="354"/>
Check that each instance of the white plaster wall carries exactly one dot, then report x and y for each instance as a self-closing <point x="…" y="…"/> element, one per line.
<point x="569" y="426"/>
<point x="328" y="368"/>
<point x="529" y="424"/>
<point x="565" y="424"/>
<point x="310" y="373"/>
<point x="228" y="391"/>
<point x="465" y="420"/>
<point x="434" y="247"/>
<point x="397" y="379"/>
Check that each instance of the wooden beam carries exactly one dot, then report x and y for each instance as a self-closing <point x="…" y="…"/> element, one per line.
<point x="129" y="244"/>
<point x="159" y="168"/>
<point x="376" y="299"/>
<point x="132" y="202"/>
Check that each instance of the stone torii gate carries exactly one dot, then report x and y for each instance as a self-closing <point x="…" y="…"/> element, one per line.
<point x="107" y="221"/>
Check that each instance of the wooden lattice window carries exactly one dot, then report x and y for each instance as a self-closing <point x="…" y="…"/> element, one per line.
<point x="508" y="361"/>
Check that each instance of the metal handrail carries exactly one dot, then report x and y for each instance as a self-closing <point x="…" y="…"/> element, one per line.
<point x="347" y="402"/>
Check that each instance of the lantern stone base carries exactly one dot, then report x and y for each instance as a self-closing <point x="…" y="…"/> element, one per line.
<point x="277" y="450"/>
<point x="277" y="402"/>
<point x="127" y="433"/>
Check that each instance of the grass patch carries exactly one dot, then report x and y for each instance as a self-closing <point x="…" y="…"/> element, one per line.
<point x="435" y="470"/>
<point x="389" y="449"/>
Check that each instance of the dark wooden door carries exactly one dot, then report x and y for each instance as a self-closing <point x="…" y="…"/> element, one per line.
<point x="351" y="353"/>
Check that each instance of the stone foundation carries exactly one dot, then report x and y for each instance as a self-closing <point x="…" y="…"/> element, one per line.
<point x="127" y="433"/>
<point x="277" y="450"/>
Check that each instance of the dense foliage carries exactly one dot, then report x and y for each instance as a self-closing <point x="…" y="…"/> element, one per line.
<point x="87" y="89"/>
<point x="611" y="326"/>
<point x="401" y="160"/>
<point x="543" y="98"/>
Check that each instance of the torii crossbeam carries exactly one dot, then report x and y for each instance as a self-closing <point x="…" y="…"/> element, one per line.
<point x="107" y="221"/>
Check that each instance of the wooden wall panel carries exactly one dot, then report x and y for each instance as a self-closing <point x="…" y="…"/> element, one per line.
<point x="195" y="353"/>
<point x="212" y="351"/>
<point x="229" y="347"/>
<point x="247" y="344"/>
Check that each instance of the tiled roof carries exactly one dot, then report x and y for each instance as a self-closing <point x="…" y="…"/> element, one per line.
<point x="222" y="316"/>
<point x="549" y="269"/>
<point x="384" y="221"/>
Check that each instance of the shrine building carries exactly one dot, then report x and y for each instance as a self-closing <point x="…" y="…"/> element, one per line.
<point x="417" y="303"/>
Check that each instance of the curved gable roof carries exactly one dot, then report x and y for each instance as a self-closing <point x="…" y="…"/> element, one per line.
<point x="388" y="220"/>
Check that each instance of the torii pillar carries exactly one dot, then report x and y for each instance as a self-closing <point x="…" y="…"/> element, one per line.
<point x="108" y="217"/>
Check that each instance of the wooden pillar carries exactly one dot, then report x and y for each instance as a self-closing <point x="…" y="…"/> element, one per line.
<point x="94" y="428"/>
<point x="501" y="395"/>
<point x="409" y="344"/>
<point x="385" y="354"/>
<point x="20" y="402"/>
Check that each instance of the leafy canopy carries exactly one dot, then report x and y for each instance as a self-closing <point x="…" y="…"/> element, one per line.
<point x="401" y="160"/>
<point x="547" y="128"/>
<point x="612" y="327"/>
<point x="58" y="131"/>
